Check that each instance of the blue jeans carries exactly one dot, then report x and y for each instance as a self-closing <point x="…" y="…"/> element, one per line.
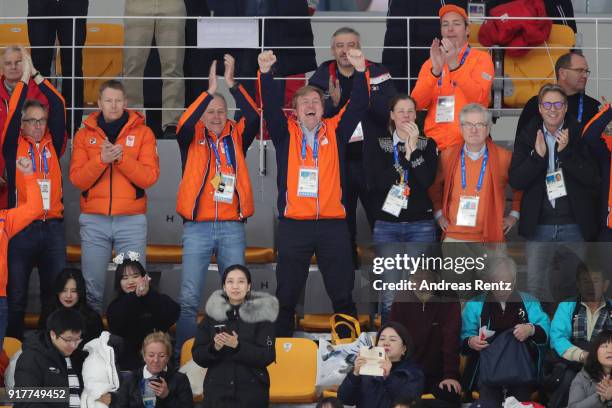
<point x="546" y="254"/>
<point x="41" y="244"/>
<point x="99" y="234"/>
<point x="391" y="238"/>
<point x="3" y="318"/>
<point x="226" y="239"/>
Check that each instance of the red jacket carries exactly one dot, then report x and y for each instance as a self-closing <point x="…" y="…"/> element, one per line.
<point x="516" y="33"/>
<point x="33" y="93"/>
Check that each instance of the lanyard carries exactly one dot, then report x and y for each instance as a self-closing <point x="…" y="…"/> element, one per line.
<point x="315" y="147"/>
<point x="216" y="152"/>
<point x="44" y="159"/>
<point x="396" y="159"/>
<point x="463" y="58"/>
<point x="485" y="159"/>
<point x="580" y="108"/>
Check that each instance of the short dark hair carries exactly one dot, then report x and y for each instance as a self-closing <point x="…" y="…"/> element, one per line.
<point x="565" y="61"/>
<point x="63" y="320"/>
<point x="112" y="84"/>
<point x="333" y="401"/>
<point x="592" y="365"/>
<point x="402" y="332"/>
<point x="33" y="103"/>
<point x="234" y="267"/>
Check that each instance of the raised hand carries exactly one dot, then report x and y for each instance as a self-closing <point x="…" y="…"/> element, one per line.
<point x="357" y="59"/>
<point x="562" y="139"/>
<point x="265" y="60"/>
<point x="27" y="65"/>
<point x="334" y="91"/>
<point x="212" y="78"/>
<point x="230" y="64"/>
<point x="436" y="56"/>
<point x="450" y="52"/>
<point x="540" y="144"/>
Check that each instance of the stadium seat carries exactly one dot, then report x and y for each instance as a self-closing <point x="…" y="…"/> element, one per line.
<point x="538" y="64"/>
<point x="174" y="254"/>
<point x="293" y="374"/>
<point x="186" y="351"/>
<point x="11" y="346"/>
<point x="320" y="322"/>
<point x="473" y="35"/>
<point x="14" y="33"/>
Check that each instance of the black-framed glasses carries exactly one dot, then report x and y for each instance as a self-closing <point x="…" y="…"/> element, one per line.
<point x="581" y="71"/>
<point x="548" y="105"/>
<point x="35" y="122"/>
<point x="76" y="342"/>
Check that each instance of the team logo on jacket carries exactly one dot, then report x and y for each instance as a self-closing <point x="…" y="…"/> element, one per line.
<point x="92" y="141"/>
<point x="324" y="141"/>
<point x="47" y="154"/>
<point x="54" y="370"/>
<point x="201" y="141"/>
<point x="130" y="141"/>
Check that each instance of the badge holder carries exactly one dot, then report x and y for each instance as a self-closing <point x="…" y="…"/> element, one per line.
<point x="224" y="192"/>
<point x="45" y="192"/>
<point x="555" y="185"/>
<point x="467" y="213"/>
<point x="308" y="182"/>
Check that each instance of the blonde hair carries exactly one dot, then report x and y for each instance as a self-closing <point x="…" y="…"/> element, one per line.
<point x="158" y="337"/>
<point x="305" y="90"/>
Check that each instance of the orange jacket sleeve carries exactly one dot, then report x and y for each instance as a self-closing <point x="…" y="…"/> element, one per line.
<point x="143" y="171"/>
<point x="84" y="172"/>
<point x="436" y="191"/>
<point x="425" y="88"/>
<point x="517" y="196"/>
<point x="475" y="78"/>
<point x="20" y="217"/>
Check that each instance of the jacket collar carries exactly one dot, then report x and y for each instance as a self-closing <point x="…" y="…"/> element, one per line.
<point x="259" y="307"/>
<point x="135" y="118"/>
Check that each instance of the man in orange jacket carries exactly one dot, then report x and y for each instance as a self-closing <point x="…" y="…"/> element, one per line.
<point x="11" y="222"/>
<point x="114" y="160"/>
<point x="33" y="131"/>
<point x="310" y="153"/>
<point x="215" y="196"/>
<point x="453" y="76"/>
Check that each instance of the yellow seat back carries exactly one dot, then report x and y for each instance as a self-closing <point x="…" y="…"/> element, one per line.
<point x="525" y="75"/>
<point x="186" y="351"/>
<point x="293" y="375"/>
<point x="14" y="34"/>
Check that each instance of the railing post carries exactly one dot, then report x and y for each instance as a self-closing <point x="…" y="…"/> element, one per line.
<point x="262" y="143"/>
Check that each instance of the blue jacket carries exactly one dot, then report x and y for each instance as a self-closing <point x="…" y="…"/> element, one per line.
<point x="366" y="391"/>
<point x="562" y="327"/>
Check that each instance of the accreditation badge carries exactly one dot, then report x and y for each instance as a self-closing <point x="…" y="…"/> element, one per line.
<point x="555" y="185"/>
<point x="45" y="191"/>
<point x="395" y="201"/>
<point x="308" y="182"/>
<point x="225" y="190"/>
<point x="445" y="109"/>
<point x="467" y="213"/>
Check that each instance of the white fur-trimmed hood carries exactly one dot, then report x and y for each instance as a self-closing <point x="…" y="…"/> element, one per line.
<point x="259" y="307"/>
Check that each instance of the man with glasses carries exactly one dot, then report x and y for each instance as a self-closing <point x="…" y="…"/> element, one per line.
<point x="572" y="72"/>
<point x="469" y="193"/>
<point x="559" y="178"/>
<point x="37" y="133"/>
<point x="51" y="358"/>
<point x="11" y="70"/>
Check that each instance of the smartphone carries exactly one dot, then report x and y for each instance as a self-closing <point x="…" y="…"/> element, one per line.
<point x="220" y="328"/>
<point x="156" y="380"/>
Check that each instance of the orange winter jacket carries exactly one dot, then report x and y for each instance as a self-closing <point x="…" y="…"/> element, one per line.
<point x="117" y="188"/>
<point x="195" y="199"/>
<point x="470" y="83"/>
<point x="45" y="155"/>
<point x="14" y="220"/>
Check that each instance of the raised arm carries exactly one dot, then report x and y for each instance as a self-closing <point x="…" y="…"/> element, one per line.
<point x="249" y="124"/>
<point x="272" y="101"/>
<point x="21" y="216"/>
<point x="352" y="113"/>
<point x="57" y="113"/>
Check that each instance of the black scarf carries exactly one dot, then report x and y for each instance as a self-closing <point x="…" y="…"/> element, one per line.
<point x="112" y="129"/>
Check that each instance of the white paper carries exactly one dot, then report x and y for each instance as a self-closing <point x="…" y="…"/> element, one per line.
<point x="228" y="33"/>
<point x="374" y="356"/>
<point x="485" y="333"/>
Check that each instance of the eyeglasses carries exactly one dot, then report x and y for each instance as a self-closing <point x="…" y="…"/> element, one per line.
<point x="35" y="122"/>
<point x="581" y="71"/>
<point x="471" y="126"/>
<point x="76" y="342"/>
<point x="548" y="105"/>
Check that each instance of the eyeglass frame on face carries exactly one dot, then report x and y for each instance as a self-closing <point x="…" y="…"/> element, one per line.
<point x="35" y="122"/>
<point x="75" y="342"/>
<point x="549" y="105"/>
<point x="581" y="71"/>
<point x="477" y="125"/>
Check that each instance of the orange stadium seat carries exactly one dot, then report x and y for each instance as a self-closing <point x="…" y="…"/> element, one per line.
<point x="14" y="33"/>
<point x="293" y="374"/>
<point x="186" y="351"/>
<point x="537" y="63"/>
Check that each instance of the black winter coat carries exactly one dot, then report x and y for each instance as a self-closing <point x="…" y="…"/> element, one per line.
<point x="133" y="318"/>
<point x="42" y="365"/>
<point x="241" y="372"/>
<point x="528" y="172"/>
<point x="179" y="396"/>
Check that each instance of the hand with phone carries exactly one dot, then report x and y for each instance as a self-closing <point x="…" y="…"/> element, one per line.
<point x="159" y="387"/>
<point x="224" y="338"/>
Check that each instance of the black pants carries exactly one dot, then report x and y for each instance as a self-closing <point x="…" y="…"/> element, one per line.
<point x="297" y="241"/>
<point x="356" y="188"/>
<point x="42" y="33"/>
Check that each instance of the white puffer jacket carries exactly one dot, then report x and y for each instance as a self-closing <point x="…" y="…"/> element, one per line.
<point x="99" y="372"/>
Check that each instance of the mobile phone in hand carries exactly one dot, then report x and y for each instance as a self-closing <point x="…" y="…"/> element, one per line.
<point x="220" y="328"/>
